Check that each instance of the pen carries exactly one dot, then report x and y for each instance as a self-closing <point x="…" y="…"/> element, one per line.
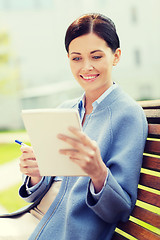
<point x="20" y="143"/>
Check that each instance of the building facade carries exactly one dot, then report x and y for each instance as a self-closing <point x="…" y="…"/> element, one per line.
<point x="36" y="29"/>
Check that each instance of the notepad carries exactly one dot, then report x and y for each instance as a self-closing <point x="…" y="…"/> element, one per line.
<point x="43" y="126"/>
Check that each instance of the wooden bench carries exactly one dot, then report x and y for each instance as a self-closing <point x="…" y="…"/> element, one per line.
<point x="147" y="209"/>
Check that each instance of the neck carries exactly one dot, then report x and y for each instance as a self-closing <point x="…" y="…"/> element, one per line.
<point x="92" y="96"/>
<point x="88" y="105"/>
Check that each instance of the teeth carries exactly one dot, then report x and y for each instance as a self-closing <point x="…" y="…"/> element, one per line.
<point x="90" y="77"/>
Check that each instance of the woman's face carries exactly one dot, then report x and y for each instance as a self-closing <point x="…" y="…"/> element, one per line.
<point x="91" y="62"/>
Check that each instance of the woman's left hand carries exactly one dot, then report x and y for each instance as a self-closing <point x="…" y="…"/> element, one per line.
<point x="85" y="152"/>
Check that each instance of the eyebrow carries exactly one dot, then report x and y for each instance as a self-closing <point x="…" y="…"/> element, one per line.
<point x="96" y="51"/>
<point x="90" y="52"/>
<point x="76" y="53"/>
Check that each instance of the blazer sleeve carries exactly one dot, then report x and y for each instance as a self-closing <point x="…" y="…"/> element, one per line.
<point x="35" y="192"/>
<point x="124" y="160"/>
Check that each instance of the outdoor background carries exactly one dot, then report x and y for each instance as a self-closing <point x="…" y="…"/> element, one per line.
<point x="34" y="69"/>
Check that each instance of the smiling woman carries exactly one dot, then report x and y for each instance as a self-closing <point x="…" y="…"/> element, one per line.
<point x="93" y="48"/>
<point x="92" y="67"/>
<point x="89" y="207"/>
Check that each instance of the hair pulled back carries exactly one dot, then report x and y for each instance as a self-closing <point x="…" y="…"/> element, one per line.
<point x="95" y="23"/>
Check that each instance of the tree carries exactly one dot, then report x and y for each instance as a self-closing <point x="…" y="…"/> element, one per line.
<point x="9" y="70"/>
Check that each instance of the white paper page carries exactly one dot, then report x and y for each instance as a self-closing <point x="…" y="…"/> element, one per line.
<point x="43" y="126"/>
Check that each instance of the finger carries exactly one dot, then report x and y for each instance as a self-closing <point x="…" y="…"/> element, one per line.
<point x="83" y="138"/>
<point x="72" y="141"/>
<point x="85" y="164"/>
<point x="83" y="158"/>
<point x="77" y="146"/>
<point x="69" y="152"/>
<point x="31" y="172"/>
<point x="79" y="153"/>
<point x="28" y="163"/>
<point x="77" y="159"/>
<point x="82" y="142"/>
<point x="28" y="166"/>
<point x="27" y="155"/>
<point x="26" y="149"/>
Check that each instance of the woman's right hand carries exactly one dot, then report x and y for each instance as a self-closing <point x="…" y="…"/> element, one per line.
<point x="28" y="165"/>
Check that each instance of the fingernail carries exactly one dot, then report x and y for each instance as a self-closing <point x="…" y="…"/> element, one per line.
<point x="72" y="128"/>
<point x="59" y="135"/>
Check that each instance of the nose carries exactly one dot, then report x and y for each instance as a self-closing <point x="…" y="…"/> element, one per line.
<point x="87" y="66"/>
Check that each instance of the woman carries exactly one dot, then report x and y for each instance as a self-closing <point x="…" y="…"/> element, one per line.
<point x="109" y="149"/>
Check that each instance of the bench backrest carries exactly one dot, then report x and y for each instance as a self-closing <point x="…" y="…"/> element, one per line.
<point x="147" y="209"/>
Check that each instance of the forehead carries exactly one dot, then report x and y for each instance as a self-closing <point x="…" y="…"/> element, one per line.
<point x="87" y="43"/>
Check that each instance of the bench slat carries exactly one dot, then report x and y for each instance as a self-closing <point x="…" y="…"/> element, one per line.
<point x="152" y="113"/>
<point x="151" y="163"/>
<point x="154" y="129"/>
<point x="148" y="197"/>
<point x="152" y="147"/>
<point x="150" y="181"/>
<point x="150" y="103"/>
<point x="137" y="231"/>
<point x="146" y="216"/>
<point x="117" y="236"/>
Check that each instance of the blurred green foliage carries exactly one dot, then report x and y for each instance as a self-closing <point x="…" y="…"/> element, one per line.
<point x="9" y="74"/>
<point x="8" y="152"/>
<point x="11" y="200"/>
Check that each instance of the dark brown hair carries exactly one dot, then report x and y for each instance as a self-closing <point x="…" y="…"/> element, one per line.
<point x="99" y="24"/>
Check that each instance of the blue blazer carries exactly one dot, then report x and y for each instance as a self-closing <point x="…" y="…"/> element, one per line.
<point x="119" y="126"/>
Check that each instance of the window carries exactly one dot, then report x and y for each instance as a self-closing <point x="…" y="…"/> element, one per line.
<point x="134" y="15"/>
<point x="137" y="57"/>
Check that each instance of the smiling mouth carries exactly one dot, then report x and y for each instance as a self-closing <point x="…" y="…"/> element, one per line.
<point x="89" y="78"/>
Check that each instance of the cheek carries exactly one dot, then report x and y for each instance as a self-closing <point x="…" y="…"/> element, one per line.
<point x="102" y="68"/>
<point x="74" y="68"/>
<point x="106" y="66"/>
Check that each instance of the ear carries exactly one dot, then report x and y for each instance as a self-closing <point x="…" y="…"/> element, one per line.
<point x="117" y="56"/>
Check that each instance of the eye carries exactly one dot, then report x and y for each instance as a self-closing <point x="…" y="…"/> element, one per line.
<point x="97" y="57"/>
<point x="76" y="58"/>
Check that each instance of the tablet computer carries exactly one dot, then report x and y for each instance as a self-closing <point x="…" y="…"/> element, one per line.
<point x="43" y="126"/>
